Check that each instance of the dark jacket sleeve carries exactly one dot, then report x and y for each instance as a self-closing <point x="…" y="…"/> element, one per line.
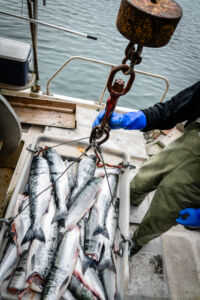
<point x="184" y="106"/>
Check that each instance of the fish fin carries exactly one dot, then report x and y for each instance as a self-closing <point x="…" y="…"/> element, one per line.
<point x="34" y="233"/>
<point x="105" y="233"/>
<point x="87" y="263"/>
<point x="106" y="264"/>
<point x="61" y="223"/>
<point x="64" y="284"/>
<point x="32" y="261"/>
<point x="117" y="296"/>
<point x="102" y="231"/>
<point x="59" y="216"/>
<point x="39" y="235"/>
<point x="28" y="236"/>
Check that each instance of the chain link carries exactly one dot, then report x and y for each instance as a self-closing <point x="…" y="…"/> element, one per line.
<point x="132" y="55"/>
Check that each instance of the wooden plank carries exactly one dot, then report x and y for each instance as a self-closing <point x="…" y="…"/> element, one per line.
<point x="43" y="107"/>
<point x="44" y="112"/>
<point x="46" y="118"/>
<point x="41" y="101"/>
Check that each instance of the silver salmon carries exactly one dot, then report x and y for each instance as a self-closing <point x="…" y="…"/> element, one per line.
<point x="39" y="198"/>
<point x="111" y="226"/>
<point x="41" y="255"/>
<point x="88" y="276"/>
<point x="92" y="245"/>
<point x="82" y="226"/>
<point x="68" y="295"/>
<point x="104" y="200"/>
<point x="79" y="290"/>
<point x="63" y="267"/>
<point x="100" y="172"/>
<point x="9" y="260"/>
<point x="17" y="284"/>
<point x="21" y="223"/>
<point x="60" y="182"/>
<point x="86" y="170"/>
<point x="83" y="203"/>
<point x="95" y="229"/>
<point x="72" y="174"/>
<point x="110" y="284"/>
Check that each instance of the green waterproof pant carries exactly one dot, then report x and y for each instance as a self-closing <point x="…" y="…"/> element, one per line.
<point x="175" y="174"/>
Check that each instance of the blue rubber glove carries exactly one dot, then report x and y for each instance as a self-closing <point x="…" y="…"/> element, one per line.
<point x="192" y="218"/>
<point x="130" y="120"/>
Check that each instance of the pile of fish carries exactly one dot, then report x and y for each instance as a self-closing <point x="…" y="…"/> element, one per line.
<point x="62" y="241"/>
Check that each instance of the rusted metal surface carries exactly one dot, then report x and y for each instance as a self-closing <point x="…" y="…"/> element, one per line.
<point x="116" y="90"/>
<point x="150" y="23"/>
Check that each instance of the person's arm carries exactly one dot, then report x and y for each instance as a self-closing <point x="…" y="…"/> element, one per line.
<point x="185" y="105"/>
<point x="180" y="108"/>
<point x="189" y="217"/>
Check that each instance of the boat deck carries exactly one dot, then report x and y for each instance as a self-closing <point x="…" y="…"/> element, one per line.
<point x="169" y="266"/>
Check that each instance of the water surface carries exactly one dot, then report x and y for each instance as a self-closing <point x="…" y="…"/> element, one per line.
<point x="179" y="61"/>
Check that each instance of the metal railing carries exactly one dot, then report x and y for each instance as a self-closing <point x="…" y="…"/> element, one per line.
<point x="100" y="101"/>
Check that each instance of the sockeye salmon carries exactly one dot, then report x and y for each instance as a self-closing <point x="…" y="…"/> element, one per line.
<point x="57" y="168"/>
<point x="9" y="260"/>
<point x="17" y="284"/>
<point x="95" y="229"/>
<point x="86" y="170"/>
<point x="39" y="198"/>
<point x="63" y="266"/>
<point x="41" y="255"/>
<point x="111" y="226"/>
<point x="88" y="276"/>
<point x="83" y="203"/>
<point x="21" y="223"/>
<point x="80" y="291"/>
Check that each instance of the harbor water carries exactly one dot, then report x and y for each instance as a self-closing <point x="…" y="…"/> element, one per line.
<point x="179" y="61"/>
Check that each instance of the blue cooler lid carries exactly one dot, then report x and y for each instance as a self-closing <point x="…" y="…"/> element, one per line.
<point x="14" y="50"/>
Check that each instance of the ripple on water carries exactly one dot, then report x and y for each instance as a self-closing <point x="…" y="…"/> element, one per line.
<point x="178" y="61"/>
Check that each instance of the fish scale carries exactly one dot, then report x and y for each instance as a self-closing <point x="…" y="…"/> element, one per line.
<point x="95" y="227"/>
<point x="82" y="203"/>
<point x="63" y="266"/>
<point x="60" y="182"/>
<point x="41" y="255"/>
<point x="17" y="284"/>
<point x="39" y="198"/>
<point x="86" y="171"/>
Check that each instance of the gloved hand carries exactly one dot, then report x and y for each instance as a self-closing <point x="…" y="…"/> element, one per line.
<point x="130" y="120"/>
<point x="192" y="218"/>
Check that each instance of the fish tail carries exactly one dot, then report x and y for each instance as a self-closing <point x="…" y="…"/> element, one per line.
<point x="59" y="216"/>
<point x="106" y="264"/>
<point x="117" y="296"/>
<point x="87" y="263"/>
<point x="103" y="231"/>
<point x="34" y="233"/>
<point x="28" y="236"/>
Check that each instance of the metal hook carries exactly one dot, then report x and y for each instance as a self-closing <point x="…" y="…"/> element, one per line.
<point x="7" y="221"/>
<point x="124" y="240"/>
